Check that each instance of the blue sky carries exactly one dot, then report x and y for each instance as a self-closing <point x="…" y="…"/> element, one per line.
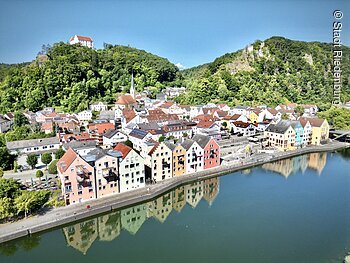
<point x="190" y="32"/>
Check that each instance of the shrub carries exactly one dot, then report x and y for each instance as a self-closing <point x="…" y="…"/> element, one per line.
<point x="52" y="169"/>
<point x="39" y="174"/>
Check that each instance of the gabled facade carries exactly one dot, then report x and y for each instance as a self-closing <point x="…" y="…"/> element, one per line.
<point x="299" y="133"/>
<point x="160" y="162"/>
<point x="77" y="178"/>
<point x="211" y="150"/>
<point x="99" y="106"/>
<point x="281" y="136"/>
<point x="84" y="41"/>
<point x="194" y="156"/>
<point x="131" y="169"/>
<point x="106" y="169"/>
<point x="179" y="158"/>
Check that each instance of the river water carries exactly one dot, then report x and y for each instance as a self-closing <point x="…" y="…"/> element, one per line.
<point x="294" y="210"/>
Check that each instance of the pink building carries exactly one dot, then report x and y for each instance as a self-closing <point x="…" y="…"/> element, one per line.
<point x="211" y="150"/>
<point x="77" y="178"/>
<point x="106" y="163"/>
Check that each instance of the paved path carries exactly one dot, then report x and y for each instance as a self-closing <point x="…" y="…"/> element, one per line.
<point x="60" y="216"/>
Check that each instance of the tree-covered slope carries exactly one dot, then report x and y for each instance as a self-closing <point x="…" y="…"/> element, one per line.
<point x="270" y="72"/>
<point x="73" y="76"/>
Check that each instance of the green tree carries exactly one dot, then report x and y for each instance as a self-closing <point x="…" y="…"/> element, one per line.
<point x="299" y="109"/>
<point x="46" y="158"/>
<point x="6" y="208"/>
<point x="19" y="119"/>
<point x="60" y="152"/>
<point x="161" y="138"/>
<point x="6" y="159"/>
<point x="30" y="201"/>
<point x="9" y="188"/>
<point x="1" y="172"/>
<point x="129" y="143"/>
<point x="39" y="174"/>
<point x="284" y="116"/>
<point x="32" y="160"/>
<point x="53" y="167"/>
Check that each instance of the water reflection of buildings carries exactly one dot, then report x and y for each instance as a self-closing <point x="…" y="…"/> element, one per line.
<point x="287" y="167"/>
<point x="108" y="227"/>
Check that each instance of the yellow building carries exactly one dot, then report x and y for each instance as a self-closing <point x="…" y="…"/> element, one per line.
<point x="320" y="130"/>
<point x="179" y="158"/>
<point x="254" y="116"/>
<point x="159" y="162"/>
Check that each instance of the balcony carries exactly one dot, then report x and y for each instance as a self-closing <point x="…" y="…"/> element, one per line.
<point x="82" y="174"/>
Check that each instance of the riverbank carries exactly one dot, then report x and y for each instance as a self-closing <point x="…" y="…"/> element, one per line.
<point x="61" y="216"/>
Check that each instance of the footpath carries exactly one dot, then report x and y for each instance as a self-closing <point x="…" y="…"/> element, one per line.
<point x="65" y="215"/>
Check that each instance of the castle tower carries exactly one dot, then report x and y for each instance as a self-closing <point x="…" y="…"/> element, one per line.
<point x="132" y="87"/>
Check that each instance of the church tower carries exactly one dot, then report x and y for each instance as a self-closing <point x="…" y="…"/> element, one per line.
<point x="132" y="87"/>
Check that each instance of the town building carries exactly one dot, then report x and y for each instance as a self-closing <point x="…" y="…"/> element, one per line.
<point x="211" y="150"/>
<point x="194" y="156"/>
<point x="131" y="168"/>
<point x="99" y="106"/>
<point x="84" y="41"/>
<point x="179" y="158"/>
<point x="281" y="135"/>
<point x="159" y="163"/>
<point x="112" y="137"/>
<point x="77" y="178"/>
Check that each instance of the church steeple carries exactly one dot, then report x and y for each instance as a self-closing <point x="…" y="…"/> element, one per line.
<point x="132" y="87"/>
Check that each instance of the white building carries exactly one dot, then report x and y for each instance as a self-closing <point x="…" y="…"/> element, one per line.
<point x="5" y="124"/>
<point x="131" y="169"/>
<point x="35" y="146"/>
<point x="113" y="137"/>
<point x="84" y="41"/>
<point x="85" y="115"/>
<point x="194" y="156"/>
<point x="99" y="106"/>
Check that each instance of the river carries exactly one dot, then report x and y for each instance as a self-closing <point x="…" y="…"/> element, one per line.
<point x="293" y="210"/>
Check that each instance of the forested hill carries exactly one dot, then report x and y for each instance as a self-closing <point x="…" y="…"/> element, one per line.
<point x="73" y="76"/>
<point x="274" y="71"/>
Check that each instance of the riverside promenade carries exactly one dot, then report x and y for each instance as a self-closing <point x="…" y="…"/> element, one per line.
<point x="64" y="215"/>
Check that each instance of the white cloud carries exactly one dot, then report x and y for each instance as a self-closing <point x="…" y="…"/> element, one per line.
<point x="180" y="66"/>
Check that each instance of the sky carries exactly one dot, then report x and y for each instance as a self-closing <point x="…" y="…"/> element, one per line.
<point x="187" y="32"/>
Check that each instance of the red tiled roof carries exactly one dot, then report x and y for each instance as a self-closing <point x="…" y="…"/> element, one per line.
<point x="221" y="113"/>
<point x="156" y="111"/>
<point x="124" y="149"/>
<point x="129" y="114"/>
<point x="162" y="117"/>
<point x="205" y="117"/>
<point x="153" y="149"/>
<point x="47" y="126"/>
<point x="100" y="128"/>
<point x="125" y="100"/>
<point x="167" y="105"/>
<point x="82" y="38"/>
<point x="205" y="124"/>
<point x="315" y="122"/>
<point x="66" y="160"/>
<point x="242" y="124"/>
